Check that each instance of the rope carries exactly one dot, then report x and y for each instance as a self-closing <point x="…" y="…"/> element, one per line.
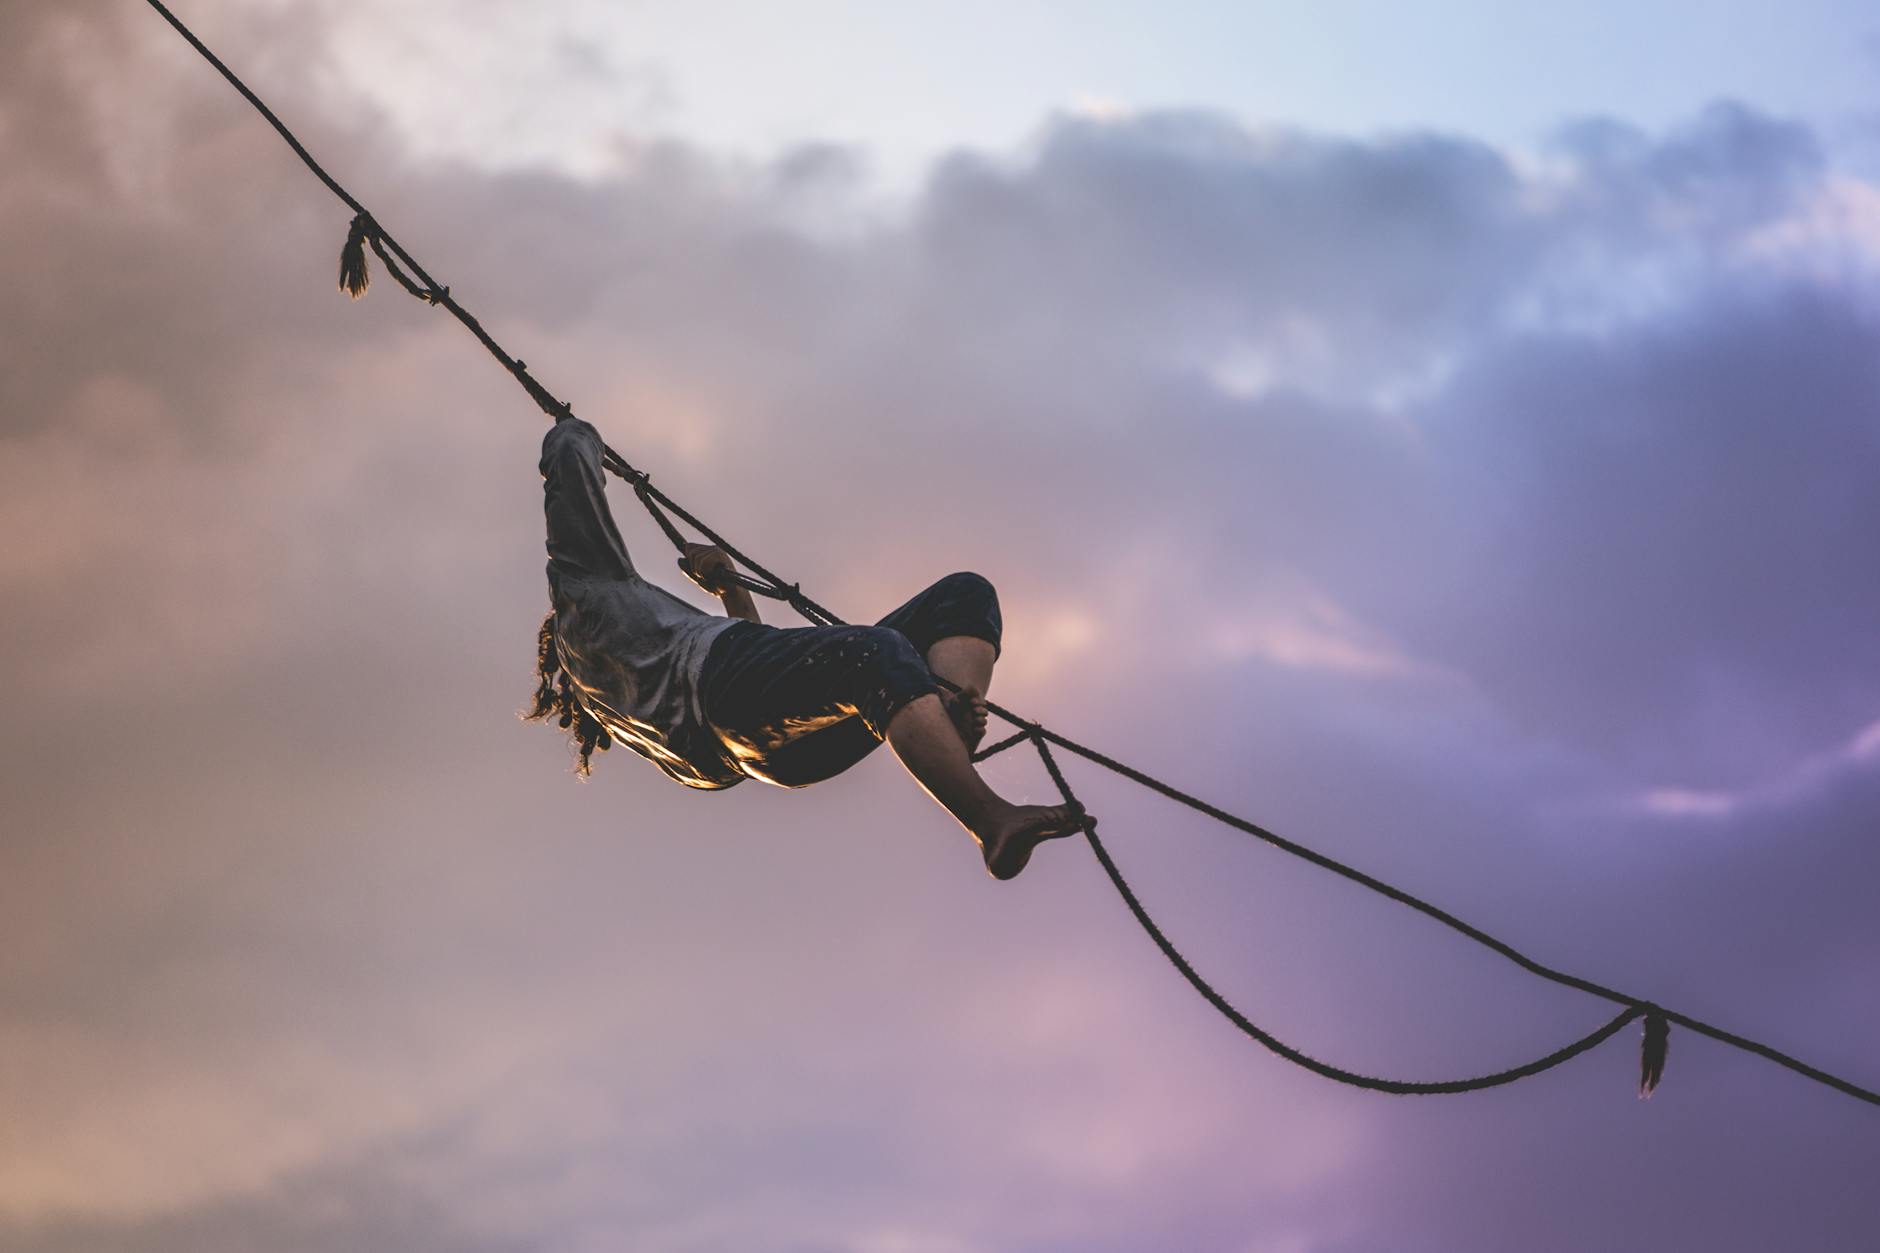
<point x="405" y="270"/>
<point x="1399" y="1087"/>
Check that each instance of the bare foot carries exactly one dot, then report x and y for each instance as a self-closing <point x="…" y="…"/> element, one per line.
<point x="1008" y="838"/>
<point x="967" y="708"/>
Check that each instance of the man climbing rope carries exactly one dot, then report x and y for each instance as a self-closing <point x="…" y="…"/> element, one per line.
<point x="715" y="700"/>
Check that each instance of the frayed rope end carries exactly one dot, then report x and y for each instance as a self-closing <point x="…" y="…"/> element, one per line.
<point x="353" y="278"/>
<point x="1652" y="1051"/>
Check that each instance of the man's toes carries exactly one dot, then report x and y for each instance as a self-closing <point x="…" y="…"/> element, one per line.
<point x="1010" y="853"/>
<point x="1070" y="819"/>
<point x="967" y="710"/>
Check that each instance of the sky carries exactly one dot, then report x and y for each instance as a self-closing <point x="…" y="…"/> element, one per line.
<point x="1445" y="437"/>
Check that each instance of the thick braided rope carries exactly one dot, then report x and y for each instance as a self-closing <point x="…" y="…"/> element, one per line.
<point x="415" y="280"/>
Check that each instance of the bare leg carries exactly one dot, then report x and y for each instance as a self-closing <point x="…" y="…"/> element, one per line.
<point x="965" y="661"/>
<point x="928" y="744"/>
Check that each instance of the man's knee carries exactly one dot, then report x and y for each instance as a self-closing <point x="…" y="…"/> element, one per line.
<point x="971" y="607"/>
<point x="969" y="586"/>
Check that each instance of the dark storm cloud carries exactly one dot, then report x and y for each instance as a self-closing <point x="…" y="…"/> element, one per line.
<point x="1499" y="523"/>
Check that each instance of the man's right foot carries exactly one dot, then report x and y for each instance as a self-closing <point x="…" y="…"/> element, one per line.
<point x="1007" y="841"/>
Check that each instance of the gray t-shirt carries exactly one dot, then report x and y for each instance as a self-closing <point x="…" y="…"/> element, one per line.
<point x="635" y="652"/>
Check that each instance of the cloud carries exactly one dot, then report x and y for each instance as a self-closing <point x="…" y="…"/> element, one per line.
<point x="1412" y="495"/>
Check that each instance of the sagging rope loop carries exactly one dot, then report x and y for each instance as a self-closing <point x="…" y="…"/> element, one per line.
<point x="1398" y="1087"/>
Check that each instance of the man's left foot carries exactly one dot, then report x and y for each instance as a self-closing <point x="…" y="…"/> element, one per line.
<point x="967" y="708"/>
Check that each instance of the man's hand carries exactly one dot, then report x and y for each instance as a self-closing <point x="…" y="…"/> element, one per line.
<point x="708" y="566"/>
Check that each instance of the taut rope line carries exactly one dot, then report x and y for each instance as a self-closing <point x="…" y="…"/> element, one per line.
<point x="365" y="230"/>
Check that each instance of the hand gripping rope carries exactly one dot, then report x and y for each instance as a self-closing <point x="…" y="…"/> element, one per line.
<point x="365" y="231"/>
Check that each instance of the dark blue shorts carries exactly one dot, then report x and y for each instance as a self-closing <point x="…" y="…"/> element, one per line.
<point x="796" y="705"/>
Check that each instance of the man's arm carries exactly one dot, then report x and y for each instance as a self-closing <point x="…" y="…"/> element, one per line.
<point x="710" y="568"/>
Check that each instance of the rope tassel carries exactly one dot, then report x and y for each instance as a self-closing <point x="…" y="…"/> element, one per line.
<point x="1652" y="1051"/>
<point x="353" y="278"/>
